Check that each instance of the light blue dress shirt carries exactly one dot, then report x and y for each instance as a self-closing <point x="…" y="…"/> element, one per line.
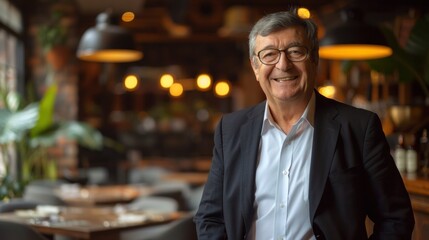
<point x="282" y="180"/>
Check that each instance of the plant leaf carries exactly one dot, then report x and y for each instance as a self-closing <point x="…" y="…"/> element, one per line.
<point x="418" y="40"/>
<point x="46" y="111"/>
<point x="13" y="101"/>
<point x="401" y="61"/>
<point x="83" y="133"/>
<point x="13" y="125"/>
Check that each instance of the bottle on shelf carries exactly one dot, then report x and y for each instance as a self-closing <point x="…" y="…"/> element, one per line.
<point x="411" y="157"/>
<point x="424" y="152"/>
<point x="400" y="154"/>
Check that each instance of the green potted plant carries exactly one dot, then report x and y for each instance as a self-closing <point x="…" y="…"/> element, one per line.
<point x="32" y="130"/>
<point x="411" y="63"/>
<point x="52" y="37"/>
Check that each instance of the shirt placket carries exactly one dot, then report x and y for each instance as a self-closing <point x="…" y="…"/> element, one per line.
<point x="283" y="187"/>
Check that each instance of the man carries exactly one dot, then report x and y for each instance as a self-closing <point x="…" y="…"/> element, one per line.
<point x="299" y="165"/>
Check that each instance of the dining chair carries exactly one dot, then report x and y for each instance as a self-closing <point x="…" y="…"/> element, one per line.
<point x="42" y="192"/>
<point x="153" y="204"/>
<point x="180" y="229"/>
<point x="147" y="175"/>
<point x="15" y="231"/>
<point x="96" y="175"/>
<point x="23" y="204"/>
<point x="194" y="197"/>
<point x="178" y="191"/>
<point x="16" y="204"/>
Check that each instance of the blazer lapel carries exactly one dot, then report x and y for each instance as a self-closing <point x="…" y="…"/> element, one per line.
<point x="326" y="131"/>
<point x="250" y="135"/>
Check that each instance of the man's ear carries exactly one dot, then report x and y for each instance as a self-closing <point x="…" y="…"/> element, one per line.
<point x="255" y="66"/>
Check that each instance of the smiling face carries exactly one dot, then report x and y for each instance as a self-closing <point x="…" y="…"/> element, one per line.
<point x="285" y="81"/>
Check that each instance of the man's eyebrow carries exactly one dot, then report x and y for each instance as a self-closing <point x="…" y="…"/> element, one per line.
<point x="295" y="44"/>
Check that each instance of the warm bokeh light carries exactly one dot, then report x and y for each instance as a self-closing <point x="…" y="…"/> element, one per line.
<point x="354" y="52"/>
<point x="131" y="82"/>
<point x="222" y="89"/>
<point x="111" y="55"/>
<point x="176" y="90"/>
<point x="304" y="13"/>
<point x="204" y="81"/>
<point x="327" y="91"/>
<point x="166" y="80"/>
<point x="128" y="16"/>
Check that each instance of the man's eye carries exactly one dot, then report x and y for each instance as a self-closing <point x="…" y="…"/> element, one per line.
<point x="295" y="52"/>
<point x="269" y="54"/>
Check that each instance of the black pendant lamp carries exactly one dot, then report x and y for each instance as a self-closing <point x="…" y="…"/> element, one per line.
<point x="354" y="39"/>
<point x="107" y="42"/>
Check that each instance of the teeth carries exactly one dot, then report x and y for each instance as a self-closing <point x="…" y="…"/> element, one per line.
<point x="284" y="79"/>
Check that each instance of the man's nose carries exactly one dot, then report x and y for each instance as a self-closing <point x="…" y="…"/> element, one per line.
<point x="284" y="63"/>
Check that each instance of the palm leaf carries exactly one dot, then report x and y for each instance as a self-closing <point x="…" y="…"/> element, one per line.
<point x="410" y="62"/>
<point x="419" y="37"/>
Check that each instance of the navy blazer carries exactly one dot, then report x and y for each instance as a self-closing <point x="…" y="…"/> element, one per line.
<point x="352" y="176"/>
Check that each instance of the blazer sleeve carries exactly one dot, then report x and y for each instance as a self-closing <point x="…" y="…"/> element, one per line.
<point x="209" y="219"/>
<point x="390" y="207"/>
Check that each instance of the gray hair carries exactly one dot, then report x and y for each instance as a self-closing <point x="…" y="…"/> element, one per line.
<point x="282" y="20"/>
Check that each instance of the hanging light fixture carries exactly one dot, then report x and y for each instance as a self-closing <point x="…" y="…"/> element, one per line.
<point x="354" y="39"/>
<point x="107" y="42"/>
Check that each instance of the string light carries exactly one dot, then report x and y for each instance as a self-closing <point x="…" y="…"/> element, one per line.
<point x="304" y="13"/>
<point x="222" y="88"/>
<point x="176" y="90"/>
<point x="204" y="81"/>
<point x="131" y="82"/>
<point x="166" y="80"/>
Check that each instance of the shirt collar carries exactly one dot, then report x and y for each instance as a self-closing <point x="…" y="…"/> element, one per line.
<point x="308" y="114"/>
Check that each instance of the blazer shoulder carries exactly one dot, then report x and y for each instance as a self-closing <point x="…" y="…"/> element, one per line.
<point x="245" y="113"/>
<point x="344" y="109"/>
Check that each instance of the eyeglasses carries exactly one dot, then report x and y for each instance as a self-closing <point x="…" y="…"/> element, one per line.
<point x="271" y="56"/>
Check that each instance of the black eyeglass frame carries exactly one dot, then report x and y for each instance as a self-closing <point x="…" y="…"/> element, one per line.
<point x="286" y="54"/>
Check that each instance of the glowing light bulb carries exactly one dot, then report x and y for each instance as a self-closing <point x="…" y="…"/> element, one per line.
<point x="222" y="88"/>
<point x="128" y="16"/>
<point x="176" y="90"/>
<point x="204" y="81"/>
<point x="166" y="80"/>
<point x="304" y="13"/>
<point x="131" y="82"/>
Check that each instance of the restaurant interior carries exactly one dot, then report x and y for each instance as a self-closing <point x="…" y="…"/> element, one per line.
<point x="108" y="108"/>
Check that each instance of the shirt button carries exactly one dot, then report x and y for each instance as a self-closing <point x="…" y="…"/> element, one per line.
<point x="285" y="172"/>
<point x="282" y="205"/>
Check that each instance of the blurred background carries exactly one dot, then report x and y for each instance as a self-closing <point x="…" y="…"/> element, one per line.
<point x="109" y="93"/>
<point x="189" y="65"/>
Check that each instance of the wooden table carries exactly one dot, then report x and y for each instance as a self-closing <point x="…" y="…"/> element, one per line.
<point x="100" y="195"/>
<point x="88" y="222"/>
<point x="418" y="188"/>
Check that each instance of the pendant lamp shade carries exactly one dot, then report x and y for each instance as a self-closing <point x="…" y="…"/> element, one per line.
<point x="107" y="42"/>
<point x="354" y="39"/>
